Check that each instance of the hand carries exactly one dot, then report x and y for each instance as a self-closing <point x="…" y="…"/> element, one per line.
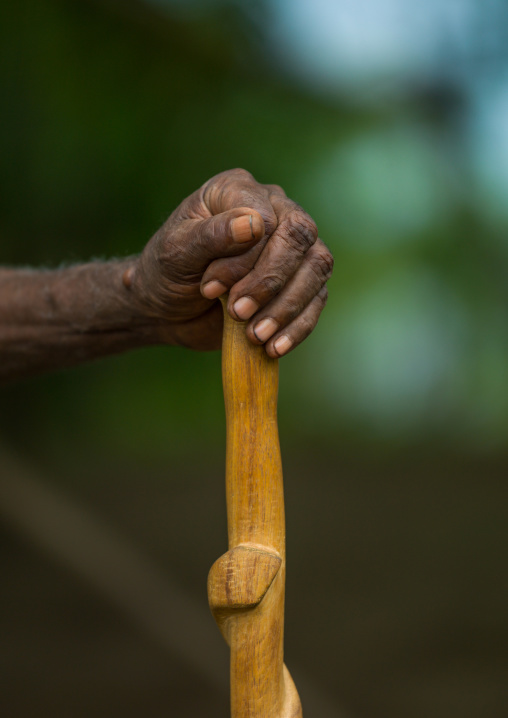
<point x="236" y="235"/>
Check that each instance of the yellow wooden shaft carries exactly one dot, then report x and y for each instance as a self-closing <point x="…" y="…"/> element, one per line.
<point x="254" y="488"/>
<point x="246" y="585"/>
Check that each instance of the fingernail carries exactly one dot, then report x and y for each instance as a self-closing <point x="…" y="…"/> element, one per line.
<point x="213" y="289"/>
<point x="245" y="307"/>
<point x="242" y="229"/>
<point x="282" y="345"/>
<point x="265" y="328"/>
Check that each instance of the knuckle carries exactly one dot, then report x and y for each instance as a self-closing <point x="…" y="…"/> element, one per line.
<point x="291" y="311"/>
<point x="212" y="190"/>
<point x="322" y="263"/>
<point x="289" y="308"/>
<point x="275" y="189"/>
<point x="239" y="173"/>
<point x="270" y="221"/>
<point x="306" y="326"/>
<point x="300" y="231"/>
<point x="323" y="296"/>
<point x="215" y="188"/>
<point x="272" y="284"/>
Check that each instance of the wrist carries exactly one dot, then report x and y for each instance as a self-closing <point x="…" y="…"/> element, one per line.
<point x="150" y="316"/>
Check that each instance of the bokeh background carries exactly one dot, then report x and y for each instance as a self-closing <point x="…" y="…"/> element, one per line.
<point x="388" y="121"/>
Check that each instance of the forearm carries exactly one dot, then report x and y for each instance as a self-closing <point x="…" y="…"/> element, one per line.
<point x="59" y="318"/>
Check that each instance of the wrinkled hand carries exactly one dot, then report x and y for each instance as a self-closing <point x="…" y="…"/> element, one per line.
<point x="236" y="235"/>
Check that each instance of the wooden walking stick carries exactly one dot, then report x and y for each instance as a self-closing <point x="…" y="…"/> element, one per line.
<point x="246" y="584"/>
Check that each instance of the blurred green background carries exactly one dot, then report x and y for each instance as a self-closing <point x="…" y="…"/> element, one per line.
<point x="387" y="121"/>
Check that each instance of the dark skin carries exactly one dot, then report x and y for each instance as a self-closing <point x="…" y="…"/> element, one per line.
<point x="233" y="234"/>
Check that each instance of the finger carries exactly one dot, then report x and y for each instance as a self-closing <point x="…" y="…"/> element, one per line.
<point x="238" y="188"/>
<point x="227" y="271"/>
<point x="281" y="257"/>
<point x="308" y="281"/>
<point x="198" y="242"/>
<point x="299" y="329"/>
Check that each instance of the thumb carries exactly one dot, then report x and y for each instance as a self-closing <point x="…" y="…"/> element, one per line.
<point x="224" y="235"/>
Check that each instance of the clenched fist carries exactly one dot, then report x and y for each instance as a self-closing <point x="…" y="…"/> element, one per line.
<point x="238" y="236"/>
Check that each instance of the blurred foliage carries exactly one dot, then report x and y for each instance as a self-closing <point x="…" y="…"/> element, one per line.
<point x="112" y="112"/>
<point x="115" y="111"/>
